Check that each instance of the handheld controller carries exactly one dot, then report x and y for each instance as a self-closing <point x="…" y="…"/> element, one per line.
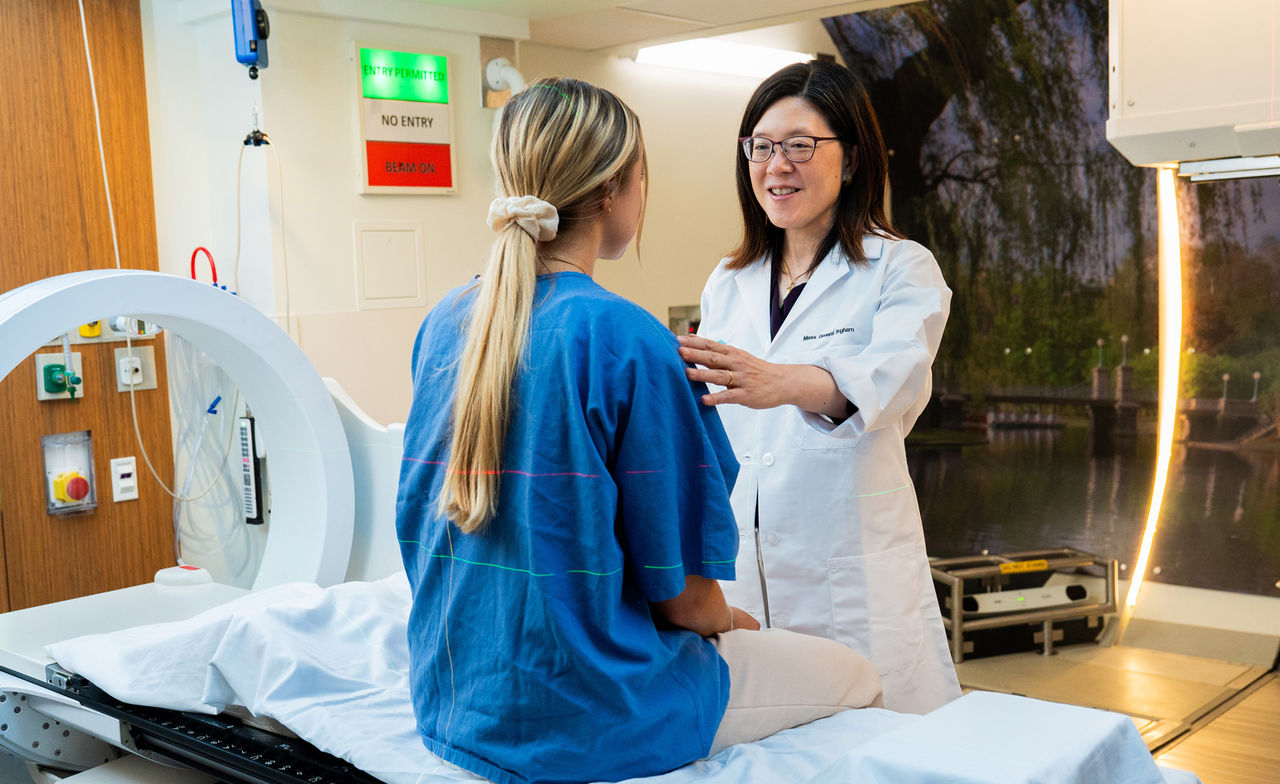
<point x="251" y="28"/>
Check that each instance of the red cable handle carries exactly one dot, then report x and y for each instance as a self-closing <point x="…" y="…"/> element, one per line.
<point x="212" y="269"/>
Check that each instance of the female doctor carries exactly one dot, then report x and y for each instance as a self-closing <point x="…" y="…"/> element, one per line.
<point x="819" y="331"/>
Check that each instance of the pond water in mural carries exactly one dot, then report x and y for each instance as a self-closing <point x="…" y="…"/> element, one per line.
<point x="1029" y="489"/>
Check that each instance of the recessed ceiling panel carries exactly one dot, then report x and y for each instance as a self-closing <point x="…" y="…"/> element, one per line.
<point x="604" y="29"/>
<point x="530" y="9"/>
<point x="737" y="12"/>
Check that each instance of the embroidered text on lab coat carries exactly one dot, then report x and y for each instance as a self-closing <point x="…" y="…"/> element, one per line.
<point x="839" y="331"/>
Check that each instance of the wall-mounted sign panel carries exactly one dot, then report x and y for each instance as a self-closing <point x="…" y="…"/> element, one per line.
<point x="406" y="122"/>
<point x="396" y="164"/>
<point x="401" y="121"/>
<point x="404" y="76"/>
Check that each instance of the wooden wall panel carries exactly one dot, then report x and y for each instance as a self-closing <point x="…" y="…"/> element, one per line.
<point x="4" y="582"/>
<point x="54" y="220"/>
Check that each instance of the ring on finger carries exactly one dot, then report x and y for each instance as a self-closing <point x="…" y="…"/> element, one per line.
<point x="729" y="383"/>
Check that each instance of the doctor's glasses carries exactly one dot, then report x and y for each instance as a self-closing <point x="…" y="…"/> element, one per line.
<point x="797" y="149"/>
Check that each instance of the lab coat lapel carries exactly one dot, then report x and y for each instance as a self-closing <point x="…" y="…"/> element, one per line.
<point x="753" y="284"/>
<point x="832" y="269"/>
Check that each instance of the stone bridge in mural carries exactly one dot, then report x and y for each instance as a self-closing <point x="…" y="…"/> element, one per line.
<point x="1113" y="407"/>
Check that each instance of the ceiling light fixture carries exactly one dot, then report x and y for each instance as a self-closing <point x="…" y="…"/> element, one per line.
<point x="725" y="57"/>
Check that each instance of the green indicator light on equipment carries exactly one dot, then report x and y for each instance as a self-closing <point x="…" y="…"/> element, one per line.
<point x="403" y="76"/>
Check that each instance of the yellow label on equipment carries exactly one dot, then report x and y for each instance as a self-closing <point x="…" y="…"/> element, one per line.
<point x="1024" y="566"/>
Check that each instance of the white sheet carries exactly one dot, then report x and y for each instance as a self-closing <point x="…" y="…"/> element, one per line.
<point x="331" y="665"/>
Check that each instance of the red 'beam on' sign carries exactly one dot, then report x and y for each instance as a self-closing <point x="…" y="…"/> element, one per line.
<point x="404" y="164"/>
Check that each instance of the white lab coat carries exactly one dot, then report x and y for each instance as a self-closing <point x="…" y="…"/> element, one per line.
<point x="840" y="545"/>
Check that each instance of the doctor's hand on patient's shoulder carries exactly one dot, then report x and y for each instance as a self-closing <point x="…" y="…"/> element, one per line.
<point x="748" y="380"/>
<point x="752" y="382"/>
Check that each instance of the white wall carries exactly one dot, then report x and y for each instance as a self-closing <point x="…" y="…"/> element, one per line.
<point x="200" y="103"/>
<point x="690" y="125"/>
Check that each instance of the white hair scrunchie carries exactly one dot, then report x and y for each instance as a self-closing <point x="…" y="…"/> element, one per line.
<point x="538" y="218"/>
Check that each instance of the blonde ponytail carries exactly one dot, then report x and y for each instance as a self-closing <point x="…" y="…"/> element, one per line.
<point x="559" y="141"/>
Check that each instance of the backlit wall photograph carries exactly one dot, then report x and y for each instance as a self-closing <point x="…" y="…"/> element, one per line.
<point x="994" y="112"/>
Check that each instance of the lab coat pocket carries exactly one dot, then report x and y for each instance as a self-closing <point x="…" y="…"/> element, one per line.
<point x="818" y="432"/>
<point x="875" y="609"/>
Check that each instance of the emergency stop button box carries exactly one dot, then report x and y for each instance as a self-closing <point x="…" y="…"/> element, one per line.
<point x="68" y="470"/>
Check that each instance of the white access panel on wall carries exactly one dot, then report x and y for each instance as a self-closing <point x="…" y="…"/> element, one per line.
<point x="390" y="267"/>
<point x="1191" y="80"/>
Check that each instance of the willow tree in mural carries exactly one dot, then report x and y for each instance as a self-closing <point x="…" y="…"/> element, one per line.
<point x="994" y="112"/>
<point x="1234" y="320"/>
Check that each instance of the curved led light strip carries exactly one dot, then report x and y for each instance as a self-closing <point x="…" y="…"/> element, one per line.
<point x="1170" y="355"/>
<point x="312" y="489"/>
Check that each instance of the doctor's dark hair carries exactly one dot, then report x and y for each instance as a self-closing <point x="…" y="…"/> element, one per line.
<point x="574" y="146"/>
<point x="840" y="98"/>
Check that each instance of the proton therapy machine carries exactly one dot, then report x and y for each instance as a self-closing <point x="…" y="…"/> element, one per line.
<point x="304" y="676"/>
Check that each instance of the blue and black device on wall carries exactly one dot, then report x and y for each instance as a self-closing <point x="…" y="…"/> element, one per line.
<point x="251" y="29"/>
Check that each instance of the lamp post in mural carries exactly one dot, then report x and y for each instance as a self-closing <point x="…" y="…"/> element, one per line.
<point x="1226" y="377"/>
<point x="1256" y="375"/>
<point x="1124" y="388"/>
<point x="1028" y="374"/>
<point x="1100" y="342"/>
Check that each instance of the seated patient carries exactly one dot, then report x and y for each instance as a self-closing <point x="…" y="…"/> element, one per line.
<point x="564" y="499"/>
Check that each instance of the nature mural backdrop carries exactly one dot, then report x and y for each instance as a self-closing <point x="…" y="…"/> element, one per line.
<point x="994" y="112"/>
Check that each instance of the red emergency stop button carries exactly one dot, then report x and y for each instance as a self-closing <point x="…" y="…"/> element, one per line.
<point x="78" y="487"/>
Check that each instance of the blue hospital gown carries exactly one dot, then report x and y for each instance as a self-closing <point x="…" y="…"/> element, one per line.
<point x="615" y="486"/>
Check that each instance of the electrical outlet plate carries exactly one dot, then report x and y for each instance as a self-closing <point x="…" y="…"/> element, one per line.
<point x="51" y="358"/>
<point x="146" y="355"/>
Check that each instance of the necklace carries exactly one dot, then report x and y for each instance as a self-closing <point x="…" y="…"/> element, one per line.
<point x="792" y="280"/>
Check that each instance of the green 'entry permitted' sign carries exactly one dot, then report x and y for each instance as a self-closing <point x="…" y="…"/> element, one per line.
<point x="404" y="76"/>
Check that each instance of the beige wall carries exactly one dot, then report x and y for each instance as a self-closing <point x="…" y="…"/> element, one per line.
<point x="200" y="104"/>
<point x="298" y="219"/>
<point x="690" y="123"/>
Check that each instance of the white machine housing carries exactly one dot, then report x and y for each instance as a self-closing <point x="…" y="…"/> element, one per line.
<point x="325" y="528"/>
<point x="1196" y="81"/>
<point x="312" y="484"/>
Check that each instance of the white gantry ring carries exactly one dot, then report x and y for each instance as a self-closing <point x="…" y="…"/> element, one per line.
<point x="312" y="490"/>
